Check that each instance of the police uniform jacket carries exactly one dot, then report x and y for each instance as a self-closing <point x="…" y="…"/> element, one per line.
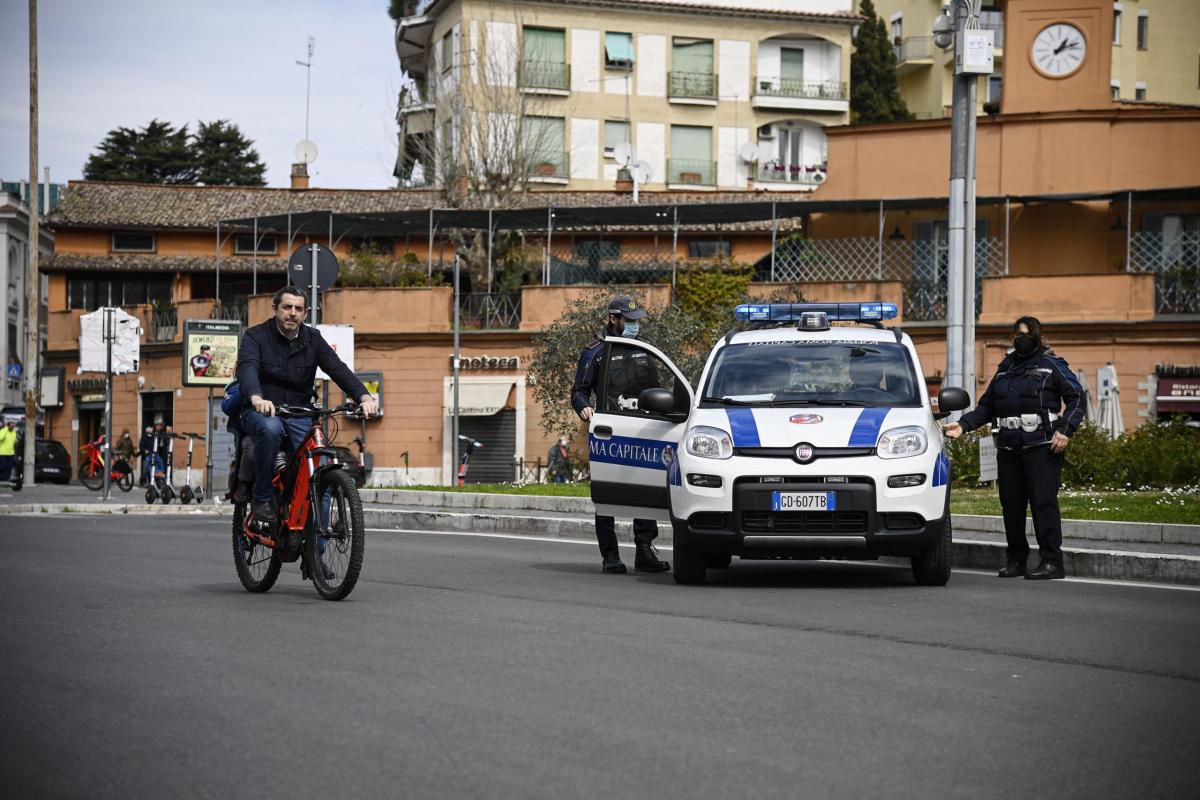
<point x="282" y="370"/>
<point x="1041" y="384"/>
<point x="629" y="372"/>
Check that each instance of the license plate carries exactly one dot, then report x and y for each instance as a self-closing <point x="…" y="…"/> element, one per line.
<point x="803" y="501"/>
<point x="51" y="469"/>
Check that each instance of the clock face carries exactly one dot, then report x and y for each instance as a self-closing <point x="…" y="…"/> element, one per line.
<point x="1058" y="50"/>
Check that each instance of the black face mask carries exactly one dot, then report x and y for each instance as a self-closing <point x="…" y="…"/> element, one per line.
<point x="1024" y="344"/>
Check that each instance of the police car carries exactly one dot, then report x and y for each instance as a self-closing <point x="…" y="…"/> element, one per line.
<point x="804" y="440"/>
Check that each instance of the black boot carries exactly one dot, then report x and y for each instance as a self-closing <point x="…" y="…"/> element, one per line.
<point x="647" y="560"/>
<point x="1046" y="570"/>
<point x="1013" y="569"/>
<point x="263" y="510"/>
<point x="612" y="564"/>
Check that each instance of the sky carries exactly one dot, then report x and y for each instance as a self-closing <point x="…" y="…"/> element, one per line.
<point x="121" y="63"/>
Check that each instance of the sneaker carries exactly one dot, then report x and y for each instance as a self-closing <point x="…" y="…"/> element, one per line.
<point x="647" y="559"/>
<point x="612" y="565"/>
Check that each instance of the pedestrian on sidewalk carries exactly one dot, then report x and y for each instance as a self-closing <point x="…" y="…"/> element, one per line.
<point x="8" y="450"/>
<point x="557" y="461"/>
<point x="124" y="449"/>
<point x="1035" y="404"/>
<point x="625" y="380"/>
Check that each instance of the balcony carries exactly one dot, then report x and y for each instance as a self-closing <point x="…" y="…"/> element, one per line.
<point x="694" y="88"/>
<point x="800" y="95"/>
<point x="791" y="176"/>
<point x="164" y="323"/>
<point x="417" y="98"/>
<point x="690" y="173"/>
<point x="550" y="167"/>
<point x="545" y="77"/>
<point x="482" y="311"/>
<point x="412" y="37"/>
<point x="913" y="53"/>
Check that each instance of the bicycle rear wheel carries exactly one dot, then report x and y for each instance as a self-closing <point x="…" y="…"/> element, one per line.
<point x="335" y="560"/>
<point x="257" y="565"/>
<point x="91" y="475"/>
<point x="125" y="482"/>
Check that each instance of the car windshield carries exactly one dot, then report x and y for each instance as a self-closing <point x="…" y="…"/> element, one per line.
<point x="808" y="373"/>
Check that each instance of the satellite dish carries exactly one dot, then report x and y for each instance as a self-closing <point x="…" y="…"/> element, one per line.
<point x="640" y="172"/>
<point x="624" y="154"/>
<point x="818" y="177"/>
<point x="306" y="151"/>
<point x="748" y="152"/>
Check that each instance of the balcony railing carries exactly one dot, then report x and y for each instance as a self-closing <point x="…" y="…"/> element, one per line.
<point x="692" y="171"/>
<point x="163" y="324"/>
<point x="1174" y="259"/>
<point x="791" y="173"/>
<point x="238" y="310"/>
<point x="914" y="48"/>
<point x="700" y="85"/>
<point x="549" y="165"/>
<point x="545" y="75"/>
<point x="806" y="90"/>
<point x="490" y="311"/>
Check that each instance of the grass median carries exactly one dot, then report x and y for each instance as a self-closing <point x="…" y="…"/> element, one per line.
<point x="1161" y="506"/>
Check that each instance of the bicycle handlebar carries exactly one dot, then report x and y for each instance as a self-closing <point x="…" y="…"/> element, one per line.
<point x="349" y="409"/>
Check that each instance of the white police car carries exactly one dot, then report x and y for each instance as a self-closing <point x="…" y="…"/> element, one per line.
<point x="805" y="441"/>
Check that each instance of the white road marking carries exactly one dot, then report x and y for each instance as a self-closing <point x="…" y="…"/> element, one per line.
<point x="592" y="543"/>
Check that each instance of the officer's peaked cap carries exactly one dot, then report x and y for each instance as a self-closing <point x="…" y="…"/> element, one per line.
<point x="625" y="306"/>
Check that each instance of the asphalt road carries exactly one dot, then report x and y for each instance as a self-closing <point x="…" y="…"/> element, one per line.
<point x="134" y="665"/>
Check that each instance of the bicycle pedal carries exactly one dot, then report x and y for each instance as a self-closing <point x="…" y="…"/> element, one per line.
<point x="259" y="531"/>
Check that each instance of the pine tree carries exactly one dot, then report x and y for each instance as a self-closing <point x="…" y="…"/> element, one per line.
<point x="874" y="92"/>
<point x="158" y="153"/>
<point x="224" y="157"/>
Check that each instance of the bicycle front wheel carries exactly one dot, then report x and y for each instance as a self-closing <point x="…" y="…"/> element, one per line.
<point x="257" y="565"/>
<point x="335" y="554"/>
<point x="91" y="475"/>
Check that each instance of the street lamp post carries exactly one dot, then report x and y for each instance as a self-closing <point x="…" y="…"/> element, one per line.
<point x="957" y="27"/>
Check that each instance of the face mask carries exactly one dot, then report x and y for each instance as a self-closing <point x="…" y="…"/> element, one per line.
<point x="631" y="329"/>
<point x="1024" y="344"/>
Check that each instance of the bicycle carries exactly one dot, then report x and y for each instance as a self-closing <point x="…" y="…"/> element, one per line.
<point x="91" y="468"/>
<point x="320" y="520"/>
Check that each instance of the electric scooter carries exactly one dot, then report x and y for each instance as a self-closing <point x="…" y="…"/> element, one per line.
<point x="466" y="459"/>
<point x="154" y="490"/>
<point x="167" y="491"/>
<point x="188" y="493"/>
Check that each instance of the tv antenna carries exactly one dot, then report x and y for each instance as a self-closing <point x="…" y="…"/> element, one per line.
<point x="307" y="83"/>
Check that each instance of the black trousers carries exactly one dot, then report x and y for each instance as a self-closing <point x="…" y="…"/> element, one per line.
<point x="644" y="531"/>
<point x="1030" y="479"/>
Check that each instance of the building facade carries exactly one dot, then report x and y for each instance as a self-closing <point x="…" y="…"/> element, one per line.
<point x="706" y="95"/>
<point x="15" y="247"/>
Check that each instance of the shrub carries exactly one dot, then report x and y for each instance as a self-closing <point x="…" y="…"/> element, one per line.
<point x="367" y="269"/>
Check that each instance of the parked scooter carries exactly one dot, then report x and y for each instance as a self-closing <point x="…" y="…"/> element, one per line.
<point x="187" y="492"/>
<point x="466" y="459"/>
<point x="156" y="490"/>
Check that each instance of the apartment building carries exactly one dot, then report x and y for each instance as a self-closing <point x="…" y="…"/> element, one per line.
<point x="15" y="252"/>
<point x="1154" y="55"/>
<point x="707" y="95"/>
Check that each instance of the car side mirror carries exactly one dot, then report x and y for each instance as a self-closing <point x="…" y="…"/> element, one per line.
<point x="951" y="399"/>
<point x="657" y="401"/>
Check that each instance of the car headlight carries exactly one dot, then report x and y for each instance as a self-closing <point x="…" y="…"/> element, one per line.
<point x="910" y="440"/>
<point x="709" y="442"/>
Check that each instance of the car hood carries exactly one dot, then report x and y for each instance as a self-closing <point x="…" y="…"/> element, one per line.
<point x="820" y="427"/>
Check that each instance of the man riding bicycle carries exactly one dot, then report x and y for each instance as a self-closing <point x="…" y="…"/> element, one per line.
<point x="277" y="364"/>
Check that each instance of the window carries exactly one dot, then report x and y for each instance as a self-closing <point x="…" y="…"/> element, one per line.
<point x="994" y="87"/>
<point x="1116" y="90"/>
<point x="708" y="248"/>
<point x="628" y="371"/>
<point x="692" y="68"/>
<point x="447" y="51"/>
<point x="1139" y="92"/>
<point x="544" y="139"/>
<point x="691" y="156"/>
<point x="544" y="59"/>
<point x="615" y="133"/>
<point x="133" y="242"/>
<point x="596" y="250"/>
<point x="375" y="245"/>
<point x="90" y="291"/>
<point x="618" y="50"/>
<point x="791" y="68"/>
<point x="1170" y="241"/>
<point x="1116" y="26"/>
<point x="243" y="243"/>
<point x="1143" y="31"/>
<point x="897" y="29"/>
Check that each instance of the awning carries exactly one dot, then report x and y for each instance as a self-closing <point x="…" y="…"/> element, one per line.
<point x="618" y="47"/>
<point x="477" y="399"/>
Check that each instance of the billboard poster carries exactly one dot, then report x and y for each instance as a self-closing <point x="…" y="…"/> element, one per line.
<point x="210" y="350"/>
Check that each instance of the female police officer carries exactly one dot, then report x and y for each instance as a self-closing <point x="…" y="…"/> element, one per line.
<point x="1035" y="405"/>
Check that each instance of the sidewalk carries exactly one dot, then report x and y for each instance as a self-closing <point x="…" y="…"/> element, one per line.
<point x="1154" y="553"/>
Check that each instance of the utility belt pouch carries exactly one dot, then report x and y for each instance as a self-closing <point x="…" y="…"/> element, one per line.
<point x="1030" y="422"/>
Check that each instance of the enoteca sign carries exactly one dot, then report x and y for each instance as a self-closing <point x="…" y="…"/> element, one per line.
<point x="486" y="362"/>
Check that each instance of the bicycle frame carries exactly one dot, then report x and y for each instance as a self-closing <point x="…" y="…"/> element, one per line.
<point x="311" y="458"/>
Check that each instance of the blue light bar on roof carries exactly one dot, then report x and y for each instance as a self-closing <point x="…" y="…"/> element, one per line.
<point x="835" y="312"/>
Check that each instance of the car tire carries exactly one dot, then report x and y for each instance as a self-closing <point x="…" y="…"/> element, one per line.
<point x="718" y="560"/>
<point x="687" y="566"/>
<point x="932" y="567"/>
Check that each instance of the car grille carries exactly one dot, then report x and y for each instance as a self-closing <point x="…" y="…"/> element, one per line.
<point x="816" y="522"/>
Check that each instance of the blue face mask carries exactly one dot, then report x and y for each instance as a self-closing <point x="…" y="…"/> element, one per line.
<point x="631" y="329"/>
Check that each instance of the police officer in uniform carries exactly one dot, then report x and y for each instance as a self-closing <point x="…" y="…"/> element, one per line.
<point x="626" y="379"/>
<point x="1035" y="404"/>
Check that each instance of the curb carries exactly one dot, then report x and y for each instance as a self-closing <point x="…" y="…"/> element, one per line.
<point x="110" y="509"/>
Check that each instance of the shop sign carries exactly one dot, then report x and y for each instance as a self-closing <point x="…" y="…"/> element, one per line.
<point x="210" y="350"/>
<point x="486" y="362"/>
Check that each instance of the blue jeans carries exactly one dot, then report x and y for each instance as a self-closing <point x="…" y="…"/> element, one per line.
<point x="268" y="439"/>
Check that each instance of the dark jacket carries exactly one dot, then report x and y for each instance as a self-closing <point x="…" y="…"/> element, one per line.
<point x="1031" y="385"/>
<point x="283" y="371"/>
<point x="631" y="371"/>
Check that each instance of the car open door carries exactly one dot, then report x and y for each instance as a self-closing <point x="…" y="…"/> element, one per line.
<point x="631" y="451"/>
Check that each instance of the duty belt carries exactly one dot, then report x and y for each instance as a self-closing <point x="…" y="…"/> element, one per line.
<point x="1026" y="422"/>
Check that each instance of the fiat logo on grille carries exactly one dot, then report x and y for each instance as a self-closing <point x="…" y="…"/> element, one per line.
<point x="805" y="453"/>
<point x="805" y="419"/>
